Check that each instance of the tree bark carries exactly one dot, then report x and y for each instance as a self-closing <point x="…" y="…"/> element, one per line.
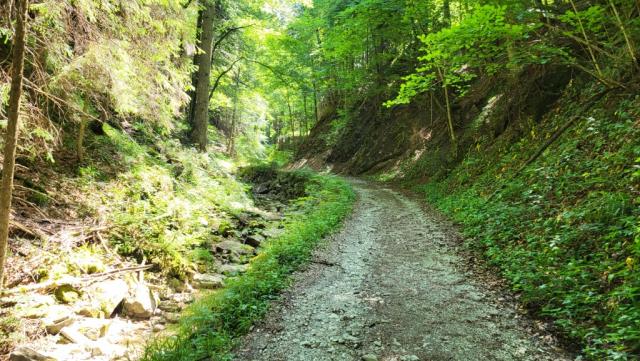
<point x="201" y="112"/>
<point x="446" y="10"/>
<point x="306" y="113"/>
<point x="234" y="116"/>
<point x="191" y="112"/>
<point x="11" y="137"/>
<point x="315" y="102"/>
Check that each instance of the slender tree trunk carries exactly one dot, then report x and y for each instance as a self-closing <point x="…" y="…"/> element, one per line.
<point x="449" y="117"/>
<point x="191" y="113"/>
<point x="291" y="120"/>
<point x="234" y="116"/>
<point x="278" y="129"/>
<point x="11" y="137"/>
<point x="201" y="116"/>
<point x="630" y="47"/>
<point x="586" y="39"/>
<point x="82" y="129"/>
<point x="315" y="102"/>
<point x="306" y="113"/>
<point x="446" y="11"/>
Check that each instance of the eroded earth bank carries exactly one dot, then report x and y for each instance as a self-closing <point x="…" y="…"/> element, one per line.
<point x="391" y="286"/>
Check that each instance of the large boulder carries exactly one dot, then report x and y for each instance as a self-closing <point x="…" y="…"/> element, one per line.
<point x="233" y="269"/>
<point x="233" y="247"/>
<point x="74" y="335"/>
<point x="109" y="294"/>
<point x="28" y="354"/>
<point x="208" y="281"/>
<point x="254" y="240"/>
<point x="142" y="303"/>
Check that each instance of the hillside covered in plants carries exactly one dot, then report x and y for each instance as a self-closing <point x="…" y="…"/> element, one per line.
<point x="167" y="188"/>
<point x="520" y="121"/>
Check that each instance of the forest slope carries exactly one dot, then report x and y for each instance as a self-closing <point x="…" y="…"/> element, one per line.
<point x="562" y="227"/>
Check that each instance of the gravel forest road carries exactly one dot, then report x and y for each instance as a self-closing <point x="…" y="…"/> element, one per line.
<point x="391" y="286"/>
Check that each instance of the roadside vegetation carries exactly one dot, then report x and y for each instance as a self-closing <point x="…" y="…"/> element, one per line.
<point x="564" y="230"/>
<point x="211" y="325"/>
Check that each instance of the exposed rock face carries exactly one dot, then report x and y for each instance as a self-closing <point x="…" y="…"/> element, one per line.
<point x="208" y="281"/>
<point x="142" y="304"/>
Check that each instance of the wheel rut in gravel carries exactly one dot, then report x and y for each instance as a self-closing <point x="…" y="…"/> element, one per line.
<point x="391" y="286"/>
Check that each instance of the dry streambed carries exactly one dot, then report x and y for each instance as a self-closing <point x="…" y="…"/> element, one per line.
<point x="390" y="286"/>
<point x="112" y="313"/>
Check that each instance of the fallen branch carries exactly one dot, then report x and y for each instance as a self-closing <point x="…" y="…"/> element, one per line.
<point x="32" y="232"/>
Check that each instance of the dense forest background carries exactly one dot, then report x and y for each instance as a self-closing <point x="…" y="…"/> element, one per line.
<point x="519" y="119"/>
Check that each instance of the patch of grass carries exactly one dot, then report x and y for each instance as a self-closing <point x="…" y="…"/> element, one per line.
<point x="11" y="333"/>
<point x="566" y="231"/>
<point x="210" y="327"/>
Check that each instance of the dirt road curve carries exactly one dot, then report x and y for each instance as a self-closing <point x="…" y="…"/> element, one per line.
<point x="389" y="286"/>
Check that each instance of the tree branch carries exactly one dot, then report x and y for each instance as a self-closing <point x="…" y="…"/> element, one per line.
<point x="225" y="72"/>
<point x="225" y="35"/>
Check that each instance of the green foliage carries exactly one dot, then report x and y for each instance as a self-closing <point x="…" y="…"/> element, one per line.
<point x="165" y="201"/>
<point x="565" y="231"/>
<point x="487" y="41"/>
<point x="11" y="333"/>
<point x="104" y="59"/>
<point x="209" y="328"/>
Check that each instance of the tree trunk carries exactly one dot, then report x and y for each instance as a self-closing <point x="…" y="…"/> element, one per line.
<point x="234" y="116"/>
<point x="452" y="133"/>
<point x="191" y="112"/>
<point x="201" y="116"/>
<point x="586" y="39"/>
<point x="11" y="137"/>
<point x="291" y="120"/>
<point x="82" y="129"/>
<point x="446" y="11"/>
<point x="306" y="113"/>
<point x="623" y="29"/>
<point x="315" y="102"/>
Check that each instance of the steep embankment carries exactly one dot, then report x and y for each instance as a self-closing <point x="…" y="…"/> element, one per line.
<point x="560" y="223"/>
<point x="380" y="139"/>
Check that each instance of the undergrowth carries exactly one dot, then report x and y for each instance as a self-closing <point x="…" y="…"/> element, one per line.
<point x="164" y="203"/>
<point x="209" y="328"/>
<point x="565" y="232"/>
